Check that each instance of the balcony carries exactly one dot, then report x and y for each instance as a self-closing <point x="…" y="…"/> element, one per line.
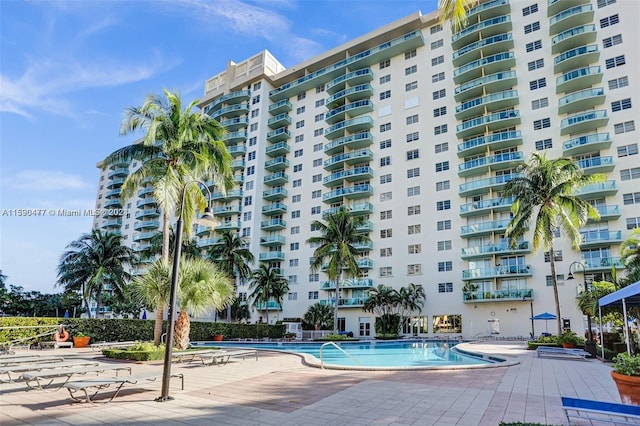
<point x="273" y="225"/>
<point x="115" y="223"/>
<point x="271" y="305"/>
<point x="276" y="179"/>
<point x="357" y="141"/>
<point x="352" y="192"/>
<point x="354" y="78"/>
<point x="355" y="157"/>
<point x="277" y="149"/>
<point x="365" y="227"/>
<point x="280" y="107"/>
<point x="603" y="264"/>
<point x="279" y="120"/>
<point x="357" y="209"/>
<point x="351" y="175"/>
<point x="234" y="137"/>
<point x="115" y="183"/>
<point x="367" y="246"/>
<point x="148" y="224"/>
<point x="356" y="93"/>
<point x="229" y="195"/>
<point x="594" y="165"/>
<point x="237" y="150"/>
<point x="489" y="27"/>
<point x="491" y="83"/>
<point x="274" y="209"/>
<point x="487" y="65"/>
<point x="607" y="213"/>
<point x="494" y="142"/>
<point x="276" y="164"/>
<point x="584" y="122"/>
<point x="352" y="125"/>
<point x="477" y="166"/>
<point x="113" y="193"/>
<point x="582" y="100"/>
<point x="484" y="228"/>
<point x="272" y="240"/>
<point x="578" y="36"/>
<point x="356" y="302"/>
<point x="230" y="225"/>
<point x="207" y="242"/>
<point x="578" y="79"/>
<point x="271" y="256"/>
<point x="115" y="202"/>
<point x="202" y="230"/>
<point x="497" y="295"/>
<point x="495" y="249"/>
<point x="144" y="202"/>
<point x="599" y="189"/>
<point x="569" y="18"/>
<point x="483" y="186"/>
<point x="493" y="102"/>
<point x="490" y="122"/>
<point x="348" y="284"/>
<point x="141" y="247"/>
<point x="231" y="111"/>
<point x="508" y="271"/>
<point x="235" y="123"/>
<point x="238" y="164"/>
<point x="229" y="99"/>
<point x="353" y="109"/>
<point x="224" y="211"/>
<point x="489" y="9"/>
<point x="482" y="207"/>
<point x="506" y="160"/>
<point x="556" y="6"/>
<point x="140" y="214"/>
<point x="143" y="236"/>
<point x="601" y="237"/>
<point x="274" y="194"/>
<point x="118" y="172"/>
<point x="278" y="135"/>
<point x="144" y="191"/>
<point x="575" y="58"/>
<point x="486" y="47"/>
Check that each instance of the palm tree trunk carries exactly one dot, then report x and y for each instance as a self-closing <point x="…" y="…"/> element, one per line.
<point x="335" y="308"/>
<point x="157" y="328"/>
<point x="554" y="280"/>
<point x="181" y="331"/>
<point x="98" y="303"/>
<point x="85" y="299"/>
<point x="235" y="286"/>
<point x="165" y="237"/>
<point x="266" y="310"/>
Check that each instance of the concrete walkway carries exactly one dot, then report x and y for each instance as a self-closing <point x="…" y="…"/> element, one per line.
<point x="279" y="390"/>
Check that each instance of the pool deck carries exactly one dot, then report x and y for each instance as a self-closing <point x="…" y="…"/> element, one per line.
<point x="279" y="390"/>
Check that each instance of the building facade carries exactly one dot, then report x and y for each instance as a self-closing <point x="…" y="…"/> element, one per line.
<point x="419" y="130"/>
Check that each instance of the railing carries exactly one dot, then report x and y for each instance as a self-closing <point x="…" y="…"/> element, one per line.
<point x="338" y="348"/>
<point x="517" y="294"/>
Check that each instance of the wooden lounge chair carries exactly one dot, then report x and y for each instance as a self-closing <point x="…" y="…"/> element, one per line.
<point x="43" y="379"/>
<point x="91" y="387"/>
<point x="555" y="352"/>
<point x="15" y="372"/>
<point x="601" y="412"/>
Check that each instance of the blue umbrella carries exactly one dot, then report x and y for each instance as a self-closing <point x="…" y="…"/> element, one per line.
<point x="66" y="313"/>
<point x="546" y="316"/>
<point x="144" y="314"/>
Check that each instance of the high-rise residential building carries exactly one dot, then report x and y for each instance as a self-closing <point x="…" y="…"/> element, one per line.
<point x="419" y="130"/>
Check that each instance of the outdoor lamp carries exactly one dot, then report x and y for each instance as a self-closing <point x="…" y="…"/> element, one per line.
<point x="586" y="288"/>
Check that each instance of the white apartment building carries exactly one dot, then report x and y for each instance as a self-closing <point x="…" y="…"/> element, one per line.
<point x="419" y="130"/>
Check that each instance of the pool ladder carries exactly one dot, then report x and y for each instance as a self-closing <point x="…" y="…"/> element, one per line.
<point x="338" y="348"/>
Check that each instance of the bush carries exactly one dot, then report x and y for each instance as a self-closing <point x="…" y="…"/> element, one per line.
<point x="146" y="351"/>
<point x="627" y="364"/>
<point x="334" y="337"/>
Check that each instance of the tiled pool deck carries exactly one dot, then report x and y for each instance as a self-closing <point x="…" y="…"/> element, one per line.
<point x="279" y="390"/>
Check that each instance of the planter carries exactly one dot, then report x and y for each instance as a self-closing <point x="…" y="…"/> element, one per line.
<point x="81" y="342"/>
<point x="217" y="337"/>
<point x="568" y="345"/>
<point x="628" y="388"/>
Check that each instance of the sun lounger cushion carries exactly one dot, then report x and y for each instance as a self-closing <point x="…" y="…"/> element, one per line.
<point x="608" y="412"/>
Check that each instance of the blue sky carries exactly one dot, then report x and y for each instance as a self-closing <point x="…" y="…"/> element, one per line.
<point x="68" y="69"/>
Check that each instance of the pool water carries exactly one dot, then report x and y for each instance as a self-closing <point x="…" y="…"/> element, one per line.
<point x="375" y="354"/>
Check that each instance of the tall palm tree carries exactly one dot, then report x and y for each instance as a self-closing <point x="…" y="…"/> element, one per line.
<point x="202" y="286"/>
<point x="455" y="11"/>
<point x="189" y="246"/>
<point x="267" y="284"/>
<point x="94" y="261"/>
<point x="410" y="299"/>
<point x="337" y="249"/>
<point x="544" y="192"/>
<point x="153" y="289"/>
<point x="233" y="257"/>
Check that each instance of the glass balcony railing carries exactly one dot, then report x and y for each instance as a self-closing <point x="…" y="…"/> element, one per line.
<point x="271" y="305"/>
<point x="490" y="83"/>
<point x="355" y="156"/>
<point x="278" y="135"/>
<point x="353" y="78"/>
<point x="573" y="37"/>
<point x="272" y="240"/>
<point x="497" y="295"/>
<point x="271" y="255"/>
<point x="235" y="123"/>
<point x="237" y="150"/>
<point x="495" y="100"/>
<point x="279" y="120"/>
<point x="584" y="121"/>
<point x="579" y="56"/>
<point x="495" y="249"/>
<point x="601" y="236"/>
<point x="357" y="209"/>
<point x="359" y="140"/>
<point x="348" y="283"/>
<point x="488" y="27"/>
<point x="485" y="227"/>
<point x="472" y="51"/>
<point x="495" y="141"/>
<point x="476" y="68"/>
<point x="569" y="18"/>
<point x="277" y="149"/>
<point x="273" y="224"/>
<point x="230" y="98"/>
<point x="352" y="125"/>
<point x="597" y="164"/>
<point x="349" y="192"/>
<point x="494" y="6"/>
<point x="582" y="100"/>
<point x="608" y="212"/>
<point x="336" y="178"/>
<point x="598" y="188"/>
<point x="603" y="263"/>
<point x="587" y="143"/>
<point x="275" y="194"/>
<point x="497" y="271"/>
<point x="482" y="206"/>
<point x="578" y="79"/>
<point x="484" y="185"/>
<point x="355" y="302"/>
<point x="353" y="109"/>
<point x="493" y="121"/>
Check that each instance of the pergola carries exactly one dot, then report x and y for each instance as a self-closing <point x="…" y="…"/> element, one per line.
<point x="627" y="296"/>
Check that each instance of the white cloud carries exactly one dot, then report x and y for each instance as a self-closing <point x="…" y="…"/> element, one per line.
<point x="44" y="180"/>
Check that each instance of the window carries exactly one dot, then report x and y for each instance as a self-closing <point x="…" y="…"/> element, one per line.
<point x="559" y="280"/>
<point x="411" y="70"/>
<point x="413" y="154"/>
<point x="621" y="104"/>
<point x="298" y="153"/>
<point x="317" y="162"/>
<point x="445" y="287"/>
<point x="255" y="113"/>
<point x="251" y="170"/>
<point x="612" y="41"/>
<point x="385" y="95"/>
<point x="295" y="230"/>
<point x="413" y="191"/>
<point x="297" y="168"/>
<point x="437" y="44"/>
<point x="301" y="96"/>
<point x="557" y="256"/>
<point x="415" y="269"/>
<point x="386" y="196"/>
<point x="296" y="198"/>
<point x="318" y="117"/>
<point x="412" y="119"/>
<point x="538" y="84"/>
<point x="386" y="214"/>
<point x="246" y="232"/>
<point x="246" y="216"/>
<point x="633" y="222"/>
<point x="444" y="245"/>
<point x="440" y="111"/>
<point x="437" y="77"/>
<point x="543" y="144"/>
<point x="316" y="194"/>
<point x="314" y="278"/>
<point x="414" y="229"/>
<point x="534" y="65"/>
<point x="413" y="173"/>
<point x="300" y="124"/>
<point x="542" y="124"/>
<point x="617" y="83"/>
<point x="627" y="126"/>
<point x="441" y="147"/>
<point x="414" y="248"/>
<point x="320" y="89"/>
<point x="257" y="86"/>
<point x="530" y="9"/>
<point x="534" y="45"/>
<point x="443" y="166"/>
<point x="249" y="185"/>
<point x="437" y="60"/>
<point x="386" y="233"/>
<point x="248" y="200"/>
<point x="609" y="20"/>
<point x="439" y="94"/>
<point x="443" y="185"/>
<point x="294" y="246"/>
<point x="615" y="62"/>
<point x="628" y="174"/>
<point x="435" y="29"/>
<point x="385" y="161"/>
<point x="385" y="79"/>
<point x="315" y="210"/>
<point x="540" y="103"/>
<point x="300" y="110"/>
<point x="603" y="3"/>
<point x="413" y="210"/>
<point x="626" y="150"/>
<point x="251" y="156"/>
<point x="631" y="198"/>
<point x="411" y="86"/>
<point x="438" y="130"/>
<point x="295" y="214"/>
<point x="384" y="64"/>
<point x="386" y="252"/>
<point x="319" y="103"/>
<point x="385" y="144"/>
<point x="253" y="127"/>
<point x="385" y="178"/>
<point x="313" y="295"/>
<point x="443" y="205"/>
<point x="299" y="138"/>
<point x="317" y="178"/>
<point x="529" y="28"/>
<point x="442" y="225"/>
<point x="318" y="132"/>
<point x="413" y="136"/>
<point x="445" y="266"/>
<point x="410" y="54"/>
<point x="386" y="271"/>
<point x="317" y="147"/>
<point x="297" y="183"/>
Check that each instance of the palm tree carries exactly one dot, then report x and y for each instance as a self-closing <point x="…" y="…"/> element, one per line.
<point x="410" y="299"/>
<point x="94" y="261"/>
<point x="153" y="289"/>
<point x="630" y="254"/>
<point x="545" y="189"/>
<point x="267" y="284"/>
<point x="189" y="246"/>
<point x="3" y="279"/>
<point x="202" y="286"/>
<point x="455" y="11"/>
<point x="382" y="301"/>
<point x="337" y="249"/>
<point x="319" y="315"/>
<point x="233" y="257"/>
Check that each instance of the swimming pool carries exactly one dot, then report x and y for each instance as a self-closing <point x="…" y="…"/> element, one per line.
<point x="373" y="355"/>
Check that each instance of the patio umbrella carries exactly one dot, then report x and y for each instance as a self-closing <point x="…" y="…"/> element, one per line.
<point x="66" y="313"/>
<point x="144" y="314"/>
<point x="546" y="316"/>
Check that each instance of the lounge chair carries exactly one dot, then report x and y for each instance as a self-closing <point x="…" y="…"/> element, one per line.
<point x="602" y="412"/>
<point x="55" y="344"/>
<point x="555" y="352"/>
<point x="15" y="372"/>
<point x="37" y="379"/>
<point x="90" y="388"/>
<point x="110" y="345"/>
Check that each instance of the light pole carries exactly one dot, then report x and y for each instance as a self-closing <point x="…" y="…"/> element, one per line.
<point x="590" y="344"/>
<point x="530" y="299"/>
<point x="208" y="220"/>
